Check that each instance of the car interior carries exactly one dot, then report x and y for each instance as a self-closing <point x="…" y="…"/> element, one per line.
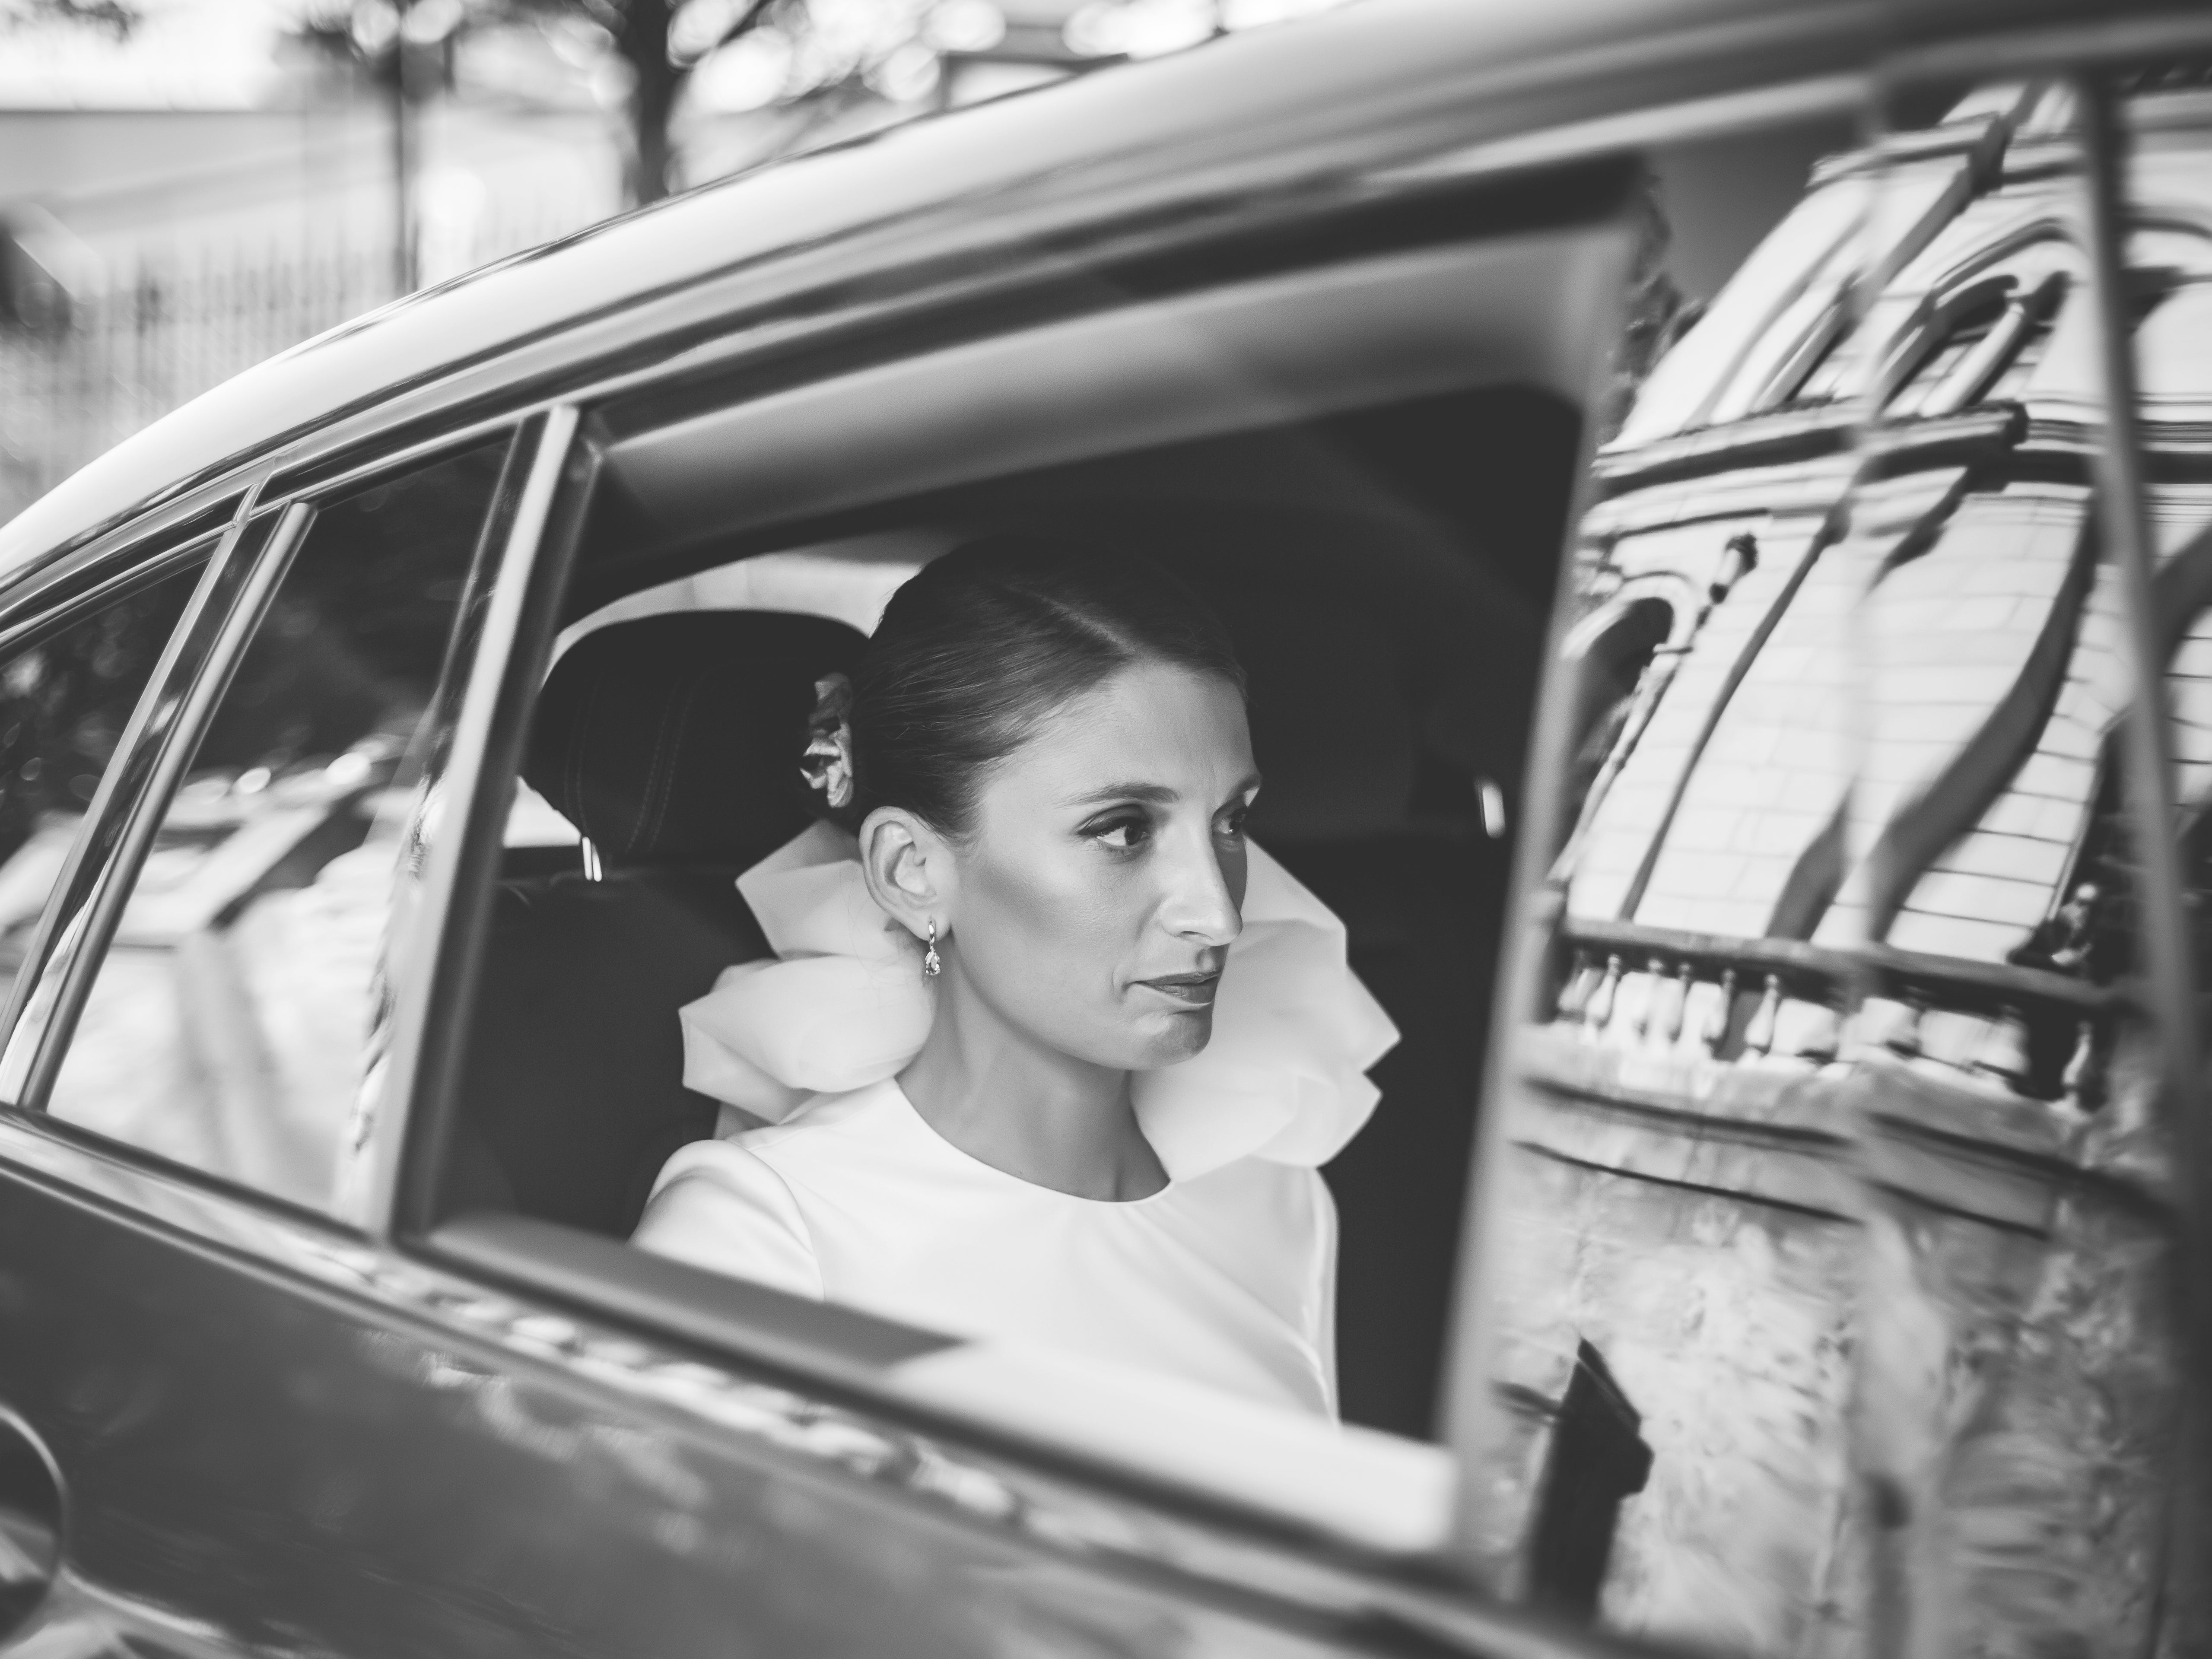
<point x="1367" y="471"/>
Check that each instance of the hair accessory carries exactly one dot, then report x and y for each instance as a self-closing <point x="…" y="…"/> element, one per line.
<point x="932" y="963"/>
<point x="828" y="764"/>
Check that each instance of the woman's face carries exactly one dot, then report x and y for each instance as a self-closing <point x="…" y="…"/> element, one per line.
<point x="1093" y="901"/>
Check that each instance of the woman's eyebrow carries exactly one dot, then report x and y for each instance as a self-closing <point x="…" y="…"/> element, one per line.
<point x="1157" y="795"/>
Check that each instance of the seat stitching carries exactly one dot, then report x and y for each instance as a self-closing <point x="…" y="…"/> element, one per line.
<point x="661" y="782"/>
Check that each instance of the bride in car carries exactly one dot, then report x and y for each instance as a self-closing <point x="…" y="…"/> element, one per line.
<point x="1050" y="1051"/>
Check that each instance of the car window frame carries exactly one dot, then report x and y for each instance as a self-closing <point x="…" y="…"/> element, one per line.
<point x="835" y="1353"/>
<point x="184" y="655"/>
<point x="253" y="553"/>
<point x="80" y="921"/>
<point x="54" y="608"/>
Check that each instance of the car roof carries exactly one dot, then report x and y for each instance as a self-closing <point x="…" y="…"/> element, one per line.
<point x="1384" y="81"/>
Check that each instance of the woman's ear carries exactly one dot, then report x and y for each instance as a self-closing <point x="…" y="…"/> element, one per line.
<point x="908" y="869"/>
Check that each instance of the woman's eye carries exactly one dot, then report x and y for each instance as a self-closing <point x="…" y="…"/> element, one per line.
<point x="1121" y="834"/>
<point x="1232" y="824"/>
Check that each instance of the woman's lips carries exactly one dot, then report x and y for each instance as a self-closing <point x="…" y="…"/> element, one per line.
<point x="1193" y="990"/>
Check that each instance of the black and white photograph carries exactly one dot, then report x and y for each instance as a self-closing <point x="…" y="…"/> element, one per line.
<point x="1105" y="828"/>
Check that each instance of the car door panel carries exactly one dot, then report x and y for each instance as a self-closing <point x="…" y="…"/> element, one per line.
<point x="274" y="1438"/>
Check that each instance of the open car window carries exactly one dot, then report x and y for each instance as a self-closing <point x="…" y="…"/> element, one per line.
<point x="1367" y="470"/>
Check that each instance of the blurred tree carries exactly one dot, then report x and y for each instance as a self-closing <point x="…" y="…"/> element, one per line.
<point x="831" y="66"/>
<point x="642" y="33"/>
<point x="828" y="60"/>
<point x="116" y="17"/>
<point x="657" y="43"/>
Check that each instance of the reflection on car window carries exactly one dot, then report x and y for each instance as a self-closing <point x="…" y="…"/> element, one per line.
<point x="64" y="698"/>
<point x="1832" y="1094"/>
<point x="233" y="1021"/>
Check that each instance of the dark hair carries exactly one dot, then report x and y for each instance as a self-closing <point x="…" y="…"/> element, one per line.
<point x="988" y="640"/>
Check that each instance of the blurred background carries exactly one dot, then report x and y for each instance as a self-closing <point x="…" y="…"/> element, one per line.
<point x="189" y="186"/>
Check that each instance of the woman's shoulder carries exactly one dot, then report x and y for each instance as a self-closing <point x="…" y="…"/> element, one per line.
<point x="721" y="1205"/>
<point x="831" y="1146"/>
<point x="1256" y="1199"/>
<point x="821" y="1118"/>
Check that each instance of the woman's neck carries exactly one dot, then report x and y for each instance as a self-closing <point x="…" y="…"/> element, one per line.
<point x="1039" y="1114"/>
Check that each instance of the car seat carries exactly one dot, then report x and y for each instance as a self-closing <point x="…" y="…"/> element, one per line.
<point x="673" y="743"/>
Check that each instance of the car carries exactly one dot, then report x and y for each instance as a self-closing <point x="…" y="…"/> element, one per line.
<point x="1694" y="487"/>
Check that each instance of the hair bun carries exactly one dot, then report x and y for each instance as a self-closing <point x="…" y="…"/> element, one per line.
<point x="827" y="766"/>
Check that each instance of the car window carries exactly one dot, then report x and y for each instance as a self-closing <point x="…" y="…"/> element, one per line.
<point x="1379" y="535"/>
<point x="236" y="1016"/>
<point x="67" y="688"/>
<point x="1825" y="1086"/>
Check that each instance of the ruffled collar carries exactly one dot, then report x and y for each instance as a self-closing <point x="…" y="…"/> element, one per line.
<point x="843" y="1005"/>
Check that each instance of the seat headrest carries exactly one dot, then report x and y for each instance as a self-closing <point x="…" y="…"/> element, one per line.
<point x="1332" y="724"/>
<point x="676" y="740"/>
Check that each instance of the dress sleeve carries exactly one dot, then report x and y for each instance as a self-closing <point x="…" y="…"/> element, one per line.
<point x="719" y="1206"/>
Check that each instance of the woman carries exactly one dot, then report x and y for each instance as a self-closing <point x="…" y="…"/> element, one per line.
<point x="977" y="1053"/>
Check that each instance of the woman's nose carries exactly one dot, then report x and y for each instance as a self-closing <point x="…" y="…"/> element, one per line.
<point x="1200" y="904"/>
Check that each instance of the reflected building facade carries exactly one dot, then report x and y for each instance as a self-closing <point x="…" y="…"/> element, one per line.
<point x="1836" y="1313"/>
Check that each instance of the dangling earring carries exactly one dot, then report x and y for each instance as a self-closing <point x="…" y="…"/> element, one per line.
<point x="932" y="963"/>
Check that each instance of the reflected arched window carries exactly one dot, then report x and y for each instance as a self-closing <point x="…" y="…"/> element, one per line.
<point x="1614" y="666"/>
<point x="1980" y="344"/>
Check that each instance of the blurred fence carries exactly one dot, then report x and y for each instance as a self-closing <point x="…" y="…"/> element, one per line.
<point x="81" y="372"/>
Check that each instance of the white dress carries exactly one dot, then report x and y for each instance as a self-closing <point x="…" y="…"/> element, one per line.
<point x="1225" y="1277"/>
<point x="1225" y="1280"/>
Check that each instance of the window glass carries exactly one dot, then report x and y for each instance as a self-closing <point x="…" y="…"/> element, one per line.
<point x="236" y="1017"/>
<point x="1827" y="1248"/>
<point x="65" y="695"/>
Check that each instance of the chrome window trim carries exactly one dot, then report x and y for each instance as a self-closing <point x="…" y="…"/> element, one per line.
<point x="1725" y="116"/>
<point x="107" y="816"/>
<point x="484" y="728"/>
<point x="76" y="584"/>
<point x="145" y="537"/>
<point x="165" y="733"/>
<point x="385" y="463"/>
